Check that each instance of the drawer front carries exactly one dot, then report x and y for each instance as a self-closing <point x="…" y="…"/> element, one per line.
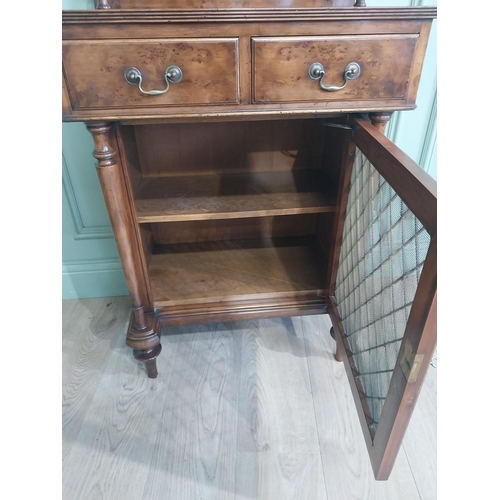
<point x="281" y="67"/>
<point x="94" y="72"/>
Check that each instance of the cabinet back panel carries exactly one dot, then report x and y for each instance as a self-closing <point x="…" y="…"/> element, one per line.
<point x="147" y="241"/>
<point x="324" y="230"/>
<point x="235" y="147"/>
<point x="127" y="139"/>
<point x="334" y="139"/>
<point x="228" y="229"/>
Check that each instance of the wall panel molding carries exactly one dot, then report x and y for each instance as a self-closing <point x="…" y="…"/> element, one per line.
<point x="91" y="266"/>
<point x="82" y="231"/>
<point x="427" y="155"/>
<point x="87" y="279"/>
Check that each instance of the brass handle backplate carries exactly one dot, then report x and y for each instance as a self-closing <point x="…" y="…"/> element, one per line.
<point x="317" y="72"/>
<point x="173" y="74"/>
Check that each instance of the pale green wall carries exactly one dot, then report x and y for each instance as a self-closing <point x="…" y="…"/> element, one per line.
<point x="77" y="4"/>
<point x="415" y="132"/>
<point x="91" y="267"/>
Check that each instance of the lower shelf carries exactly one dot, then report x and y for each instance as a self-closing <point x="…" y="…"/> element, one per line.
<point x="224" y="271"/>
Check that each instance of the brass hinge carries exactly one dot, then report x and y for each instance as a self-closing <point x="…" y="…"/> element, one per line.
<point x="410" y="363"/>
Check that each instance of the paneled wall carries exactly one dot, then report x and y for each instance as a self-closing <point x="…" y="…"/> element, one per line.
<point x="91" y="267"/>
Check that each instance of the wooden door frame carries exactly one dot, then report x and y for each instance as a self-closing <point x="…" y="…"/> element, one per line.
<point x="418" y="191"/>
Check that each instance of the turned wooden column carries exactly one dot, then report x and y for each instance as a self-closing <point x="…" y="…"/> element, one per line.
<point x="101" y="4"/>
<point x="142" y="336"/>
<point x="380" y="120"/>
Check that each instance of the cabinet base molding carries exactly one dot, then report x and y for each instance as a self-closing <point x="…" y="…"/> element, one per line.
<point x="239" y="311"/>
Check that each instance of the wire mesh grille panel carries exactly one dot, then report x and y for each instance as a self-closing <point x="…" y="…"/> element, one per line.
<point x="383" y="250"/>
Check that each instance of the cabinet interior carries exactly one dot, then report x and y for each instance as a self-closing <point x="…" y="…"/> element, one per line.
<point x="234" y="210"/>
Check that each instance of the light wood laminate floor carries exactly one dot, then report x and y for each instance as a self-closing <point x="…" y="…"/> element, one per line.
<point x="240" y="410"/>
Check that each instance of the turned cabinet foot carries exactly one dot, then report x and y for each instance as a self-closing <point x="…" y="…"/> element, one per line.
<point x="145" y="341"/>
<point x="380" y="120"/>
<point x="148" y="357"/>
<point x="338" y="355"/>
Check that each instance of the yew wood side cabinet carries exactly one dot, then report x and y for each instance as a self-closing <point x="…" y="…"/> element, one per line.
<point x="241" y="154"/>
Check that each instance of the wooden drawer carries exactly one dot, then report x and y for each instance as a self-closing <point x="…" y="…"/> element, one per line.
<point x="94" y="72"/>
<point x="281" y="65"/>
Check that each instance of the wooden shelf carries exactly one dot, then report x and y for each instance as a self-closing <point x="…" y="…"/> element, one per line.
<point x="230" y="196"/>
<point x="195" y="273"/>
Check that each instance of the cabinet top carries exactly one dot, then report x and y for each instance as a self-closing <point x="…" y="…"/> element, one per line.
<point x="222" y="4"/>
<point x="202" y="11"/>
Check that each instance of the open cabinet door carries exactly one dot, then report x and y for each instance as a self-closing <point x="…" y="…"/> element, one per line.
<point x="384" y="295"/>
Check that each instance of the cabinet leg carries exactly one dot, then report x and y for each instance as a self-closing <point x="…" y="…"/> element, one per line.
<point x="145" y="342"/>
<point x="380" y="120"/>
<point x="148" y="357"/>
<point x="338" y="355"/>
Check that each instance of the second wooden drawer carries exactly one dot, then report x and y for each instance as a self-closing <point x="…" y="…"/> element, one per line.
<point x="281" y="66"/>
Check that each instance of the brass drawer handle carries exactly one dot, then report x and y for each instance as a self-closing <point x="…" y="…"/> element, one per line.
<point x="317" y="72"/>
<point x="173" y="74"/>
